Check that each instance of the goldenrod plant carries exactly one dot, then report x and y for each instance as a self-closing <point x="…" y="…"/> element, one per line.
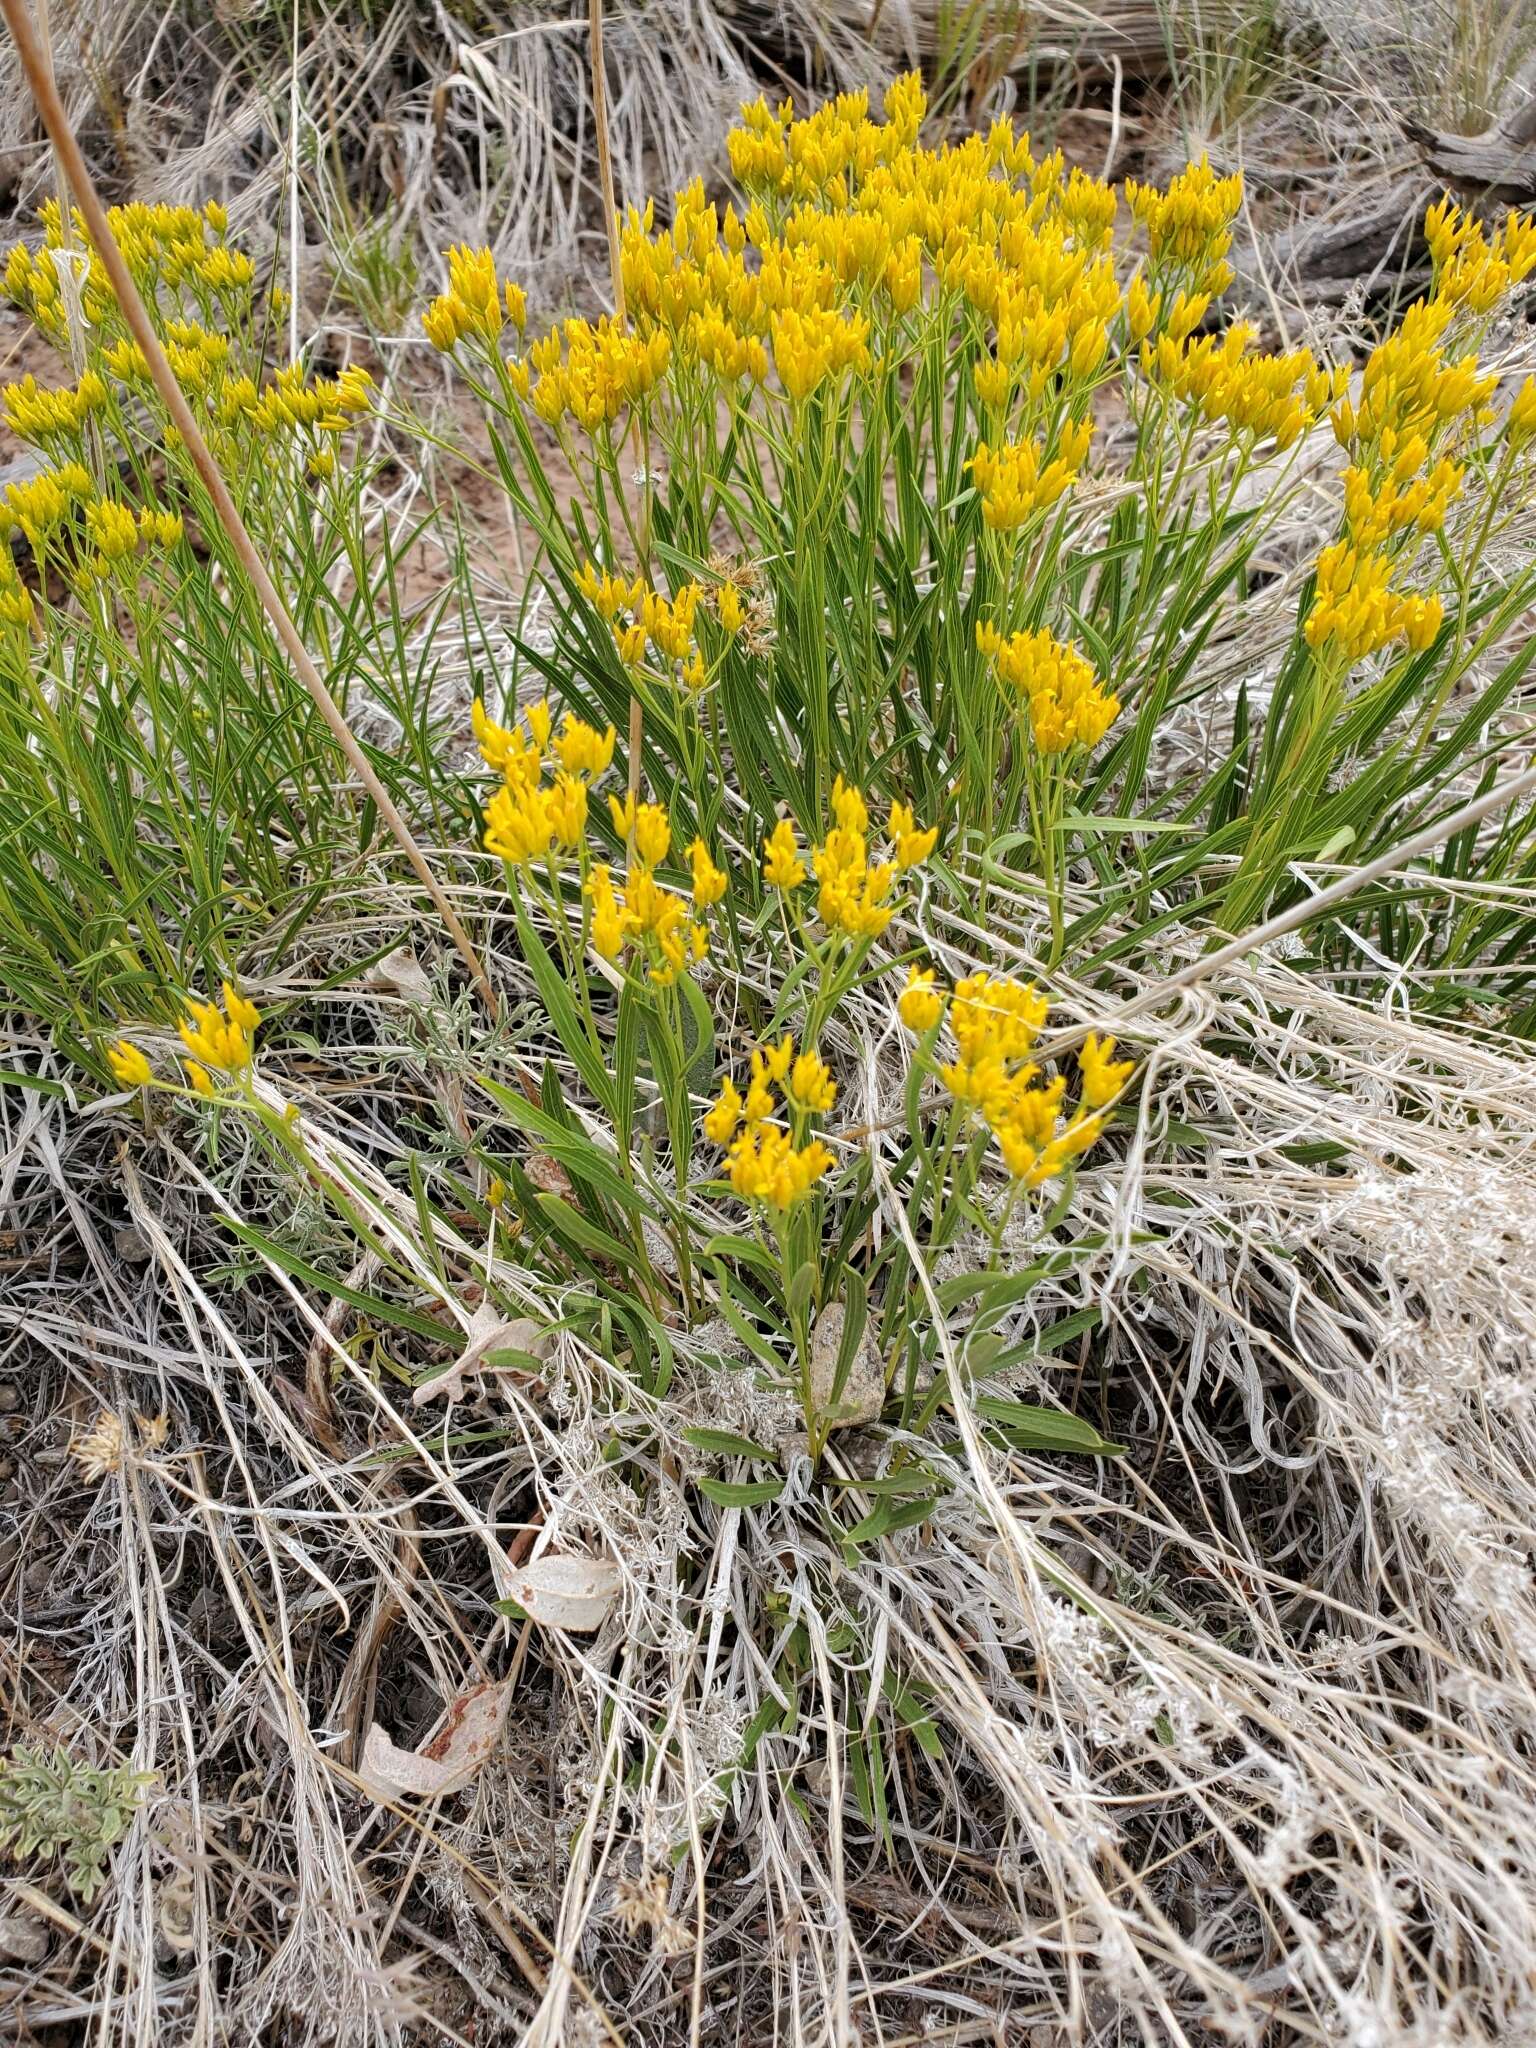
<point x="178" y="792"/>
<point x="925" y="1350"/>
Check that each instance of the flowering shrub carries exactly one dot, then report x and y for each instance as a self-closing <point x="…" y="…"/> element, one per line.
<point x="912" y="495"/>
<point x="177" y="785"/>
<point x="855" y="529"/>
<point x="839" y="512"/>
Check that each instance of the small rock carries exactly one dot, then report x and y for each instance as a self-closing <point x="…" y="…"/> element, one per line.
<point x="24" y="1937"/>
<point x="131" y="1245"/>
<point x="863" y="1393"/>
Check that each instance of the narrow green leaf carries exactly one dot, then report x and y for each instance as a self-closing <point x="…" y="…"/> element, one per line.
<point x="725" y="1443"/>
<point x="747" y="1493"/>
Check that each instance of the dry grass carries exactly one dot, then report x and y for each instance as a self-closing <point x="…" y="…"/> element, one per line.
<point x="1232" y="1732"/>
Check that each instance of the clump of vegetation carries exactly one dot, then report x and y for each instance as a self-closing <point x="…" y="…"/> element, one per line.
<point x="935" y="628"/>
<point x="53" y="1808"/>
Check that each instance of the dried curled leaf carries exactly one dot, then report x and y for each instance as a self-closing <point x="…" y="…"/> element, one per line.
<point x="489" y="1333"/>
<point x="862" y="1395"/>
<point x="400" y="974"/>
<point x="565" y="1591"/>
<point x="465" y="1738"/>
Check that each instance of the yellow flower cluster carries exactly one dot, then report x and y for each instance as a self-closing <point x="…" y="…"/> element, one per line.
<point x="1405" y="497"/>
<point x="41" y="503"/>
<point x="1189" y="227"/>
<point x="115" y="532"/>
<point x="529" y="819"/>
<point x="16" y="606"/>
<point x="533" y="819"/>
<point x="289" y="403"/>
<point x="821" y="279"/>
<point x="1409" y="388"/>
<point x="640" y="618"/>
<point x="995" y="1023"/>
<point x="107" y="536"/>
<point x="1068" y="705"/>
<point x="1472" y="269"/>
<point x="765" y="1162"/>
<point x="1357" y="609"/>
<point x="183" y="267"/>
<point x="1017" y="482"/>
<point x="1267" y="397"/>
<point x="167" y="248"/>
<point x="474" y="304"/>
<point x="219" y="1039"/>
<point x="590" y="370"/>
<point x="33" y="414"/>
<point x="664" y="929"/>
<point x="811" y="347"/>
<point x="853" y="897"/>
<point x="1419" y="401"/>
<point x="128" y="1064"/>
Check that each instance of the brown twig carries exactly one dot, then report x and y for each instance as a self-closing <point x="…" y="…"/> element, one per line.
<point x="34" y="63"/>
<point x="605" y="154"/>
<point x="616" y="272"/>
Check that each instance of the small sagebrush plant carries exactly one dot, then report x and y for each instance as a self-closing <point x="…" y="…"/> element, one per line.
<point x="54" y="1808"/>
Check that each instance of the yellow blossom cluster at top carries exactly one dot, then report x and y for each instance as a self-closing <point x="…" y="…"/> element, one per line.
<point x="1422" y="399"/>
<point x="219" y="1036"/>
<point x="1068" y="705"/>
<point x="327" y="404"/>
<point x="591" y="370"/>
<point x="1189" y="226"/>
<point x="34" y="414"/>
<point x="1411" y="389"/>
<point x="1357" y="609"/>
<point x="845" y="215"/>
<point x="852" y="241"/>
<point x="765" y="1162"/>
<point x="174" y="249"/>
<point x="853" y="896"/>
<point x="995" y="1023"/>
<point x="201" y="295"/>
<point x="1473" y="269"/>
<point x="663" y="929"/>
<point x="288" y="402"/>
<point x="540" y="813"/>
<point x="473" y="304"/>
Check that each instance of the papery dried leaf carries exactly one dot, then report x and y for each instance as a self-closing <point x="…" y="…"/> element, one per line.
<point x="488" y="1333"/>
<point x="548" y="1175"/>
<point x="466" y="1736"/>
<point x="863" y="1392"/>
<point x="400" y="974"/>
<point x="572" y="1592"/>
